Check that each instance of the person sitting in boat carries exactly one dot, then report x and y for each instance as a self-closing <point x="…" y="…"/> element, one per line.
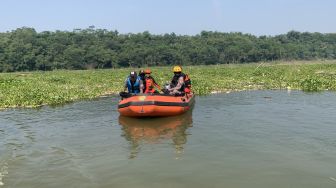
<point x="180" y="83"/>
<point x="133" y="83"/>
<point x="142" y="77"/>
<point x="150" y="83"/>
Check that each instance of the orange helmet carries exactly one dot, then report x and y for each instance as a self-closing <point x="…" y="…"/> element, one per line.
<point x="177" y="69"/>
<point x="148" y="71"/>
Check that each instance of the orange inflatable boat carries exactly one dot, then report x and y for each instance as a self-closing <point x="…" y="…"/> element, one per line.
<point x="151" y="105"/>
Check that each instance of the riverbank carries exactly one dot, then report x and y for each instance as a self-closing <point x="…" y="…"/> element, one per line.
<point x="33" y="89"/>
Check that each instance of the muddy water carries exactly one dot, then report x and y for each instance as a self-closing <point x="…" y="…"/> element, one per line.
<point x="246" y="139"/>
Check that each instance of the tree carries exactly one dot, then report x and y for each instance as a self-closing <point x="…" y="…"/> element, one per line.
<point x="24" y="49"/>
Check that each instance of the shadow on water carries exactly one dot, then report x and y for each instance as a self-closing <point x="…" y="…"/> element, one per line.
<point x="140" y="131"/>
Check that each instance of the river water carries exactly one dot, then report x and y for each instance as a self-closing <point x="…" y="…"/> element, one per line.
<point x="251" y="139"/>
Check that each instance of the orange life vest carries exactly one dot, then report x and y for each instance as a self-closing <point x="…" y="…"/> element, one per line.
<point x="187" y="84"/>
<point x="149" y="85"/>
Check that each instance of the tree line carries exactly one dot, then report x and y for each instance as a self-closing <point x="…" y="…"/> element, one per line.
<point x="24" y="49"/>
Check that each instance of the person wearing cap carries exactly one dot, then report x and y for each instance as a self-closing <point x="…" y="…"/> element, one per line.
<point x="180" y="83"/>
<point x="150" y="83"/>
<point x="133" y="83"/>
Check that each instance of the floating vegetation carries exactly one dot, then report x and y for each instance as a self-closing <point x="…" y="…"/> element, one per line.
<point x="311" y="84"/>
<point x="58" y="87"/>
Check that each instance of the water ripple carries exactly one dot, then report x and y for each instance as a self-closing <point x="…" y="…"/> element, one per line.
<point x="3" y="172"/>
<point x="276" y="142"/>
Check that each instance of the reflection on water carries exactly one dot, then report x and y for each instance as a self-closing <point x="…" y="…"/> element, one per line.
<point x="139" y="131"/>
<point x="255" y="139"/>
<point x="3" y="172"/>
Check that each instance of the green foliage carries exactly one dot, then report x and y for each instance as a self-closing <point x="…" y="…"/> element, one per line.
<point x="58" y="87"/>
<point x="24" y="49"/>
<point x="311" y="84"/>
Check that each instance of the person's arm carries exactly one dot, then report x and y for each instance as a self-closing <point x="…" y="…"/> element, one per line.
<point x="125" y="86"/>
<point x="155" y="84"/>
<point x="180" y="82"/>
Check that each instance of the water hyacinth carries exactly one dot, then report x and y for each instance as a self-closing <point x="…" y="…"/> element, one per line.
<point x="34" y="89"/>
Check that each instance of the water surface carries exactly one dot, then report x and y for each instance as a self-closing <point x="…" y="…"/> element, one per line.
<point x="246" y="139"/>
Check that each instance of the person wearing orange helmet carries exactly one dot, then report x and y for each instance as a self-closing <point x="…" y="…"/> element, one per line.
<point x="180" y="83"/>
<point x="150" y="84"/>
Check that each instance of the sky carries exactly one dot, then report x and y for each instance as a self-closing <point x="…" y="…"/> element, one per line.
<point x="183" y="17"/>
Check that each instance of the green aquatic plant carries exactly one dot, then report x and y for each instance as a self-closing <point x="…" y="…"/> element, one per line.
<point x="34" y="89"/>
<point x="311" y="84"/>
